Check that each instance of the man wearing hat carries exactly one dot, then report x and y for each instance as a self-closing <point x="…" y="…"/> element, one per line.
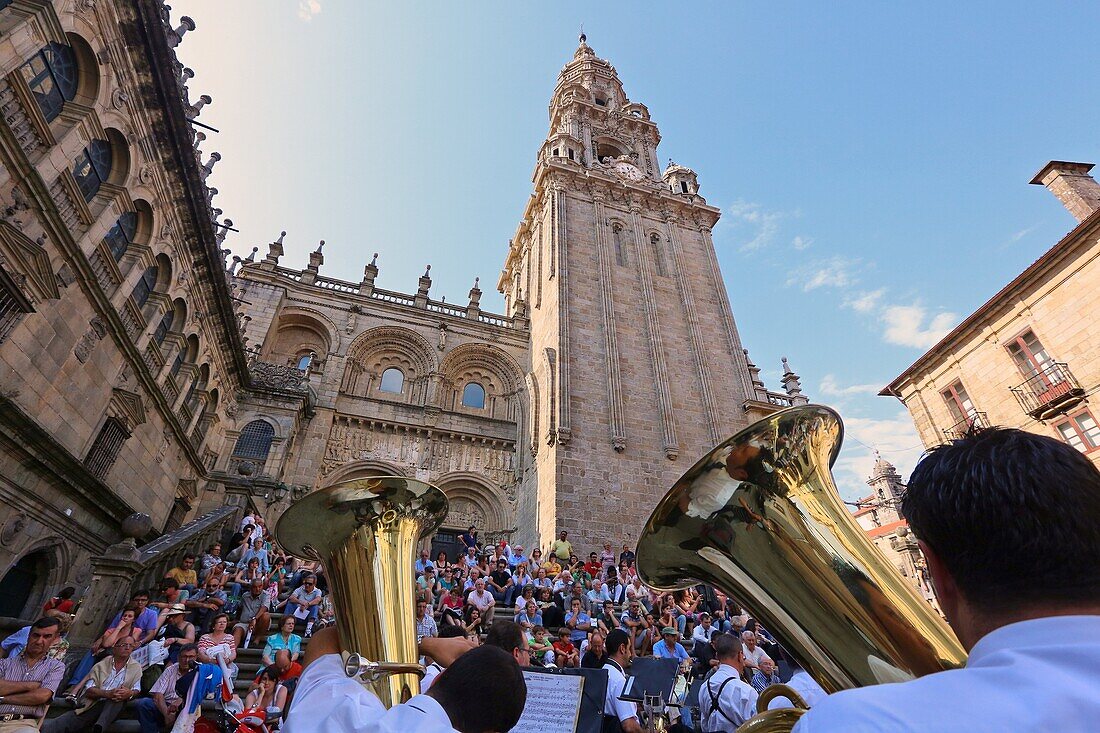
<point x="669" y="647"/>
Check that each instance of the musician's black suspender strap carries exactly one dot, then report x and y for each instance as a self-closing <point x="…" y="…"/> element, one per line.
<point x="714" y="706"/>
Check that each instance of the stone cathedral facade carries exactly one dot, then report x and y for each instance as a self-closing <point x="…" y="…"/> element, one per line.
<point x="616" y="364"/>
<point x="140" y="371"/>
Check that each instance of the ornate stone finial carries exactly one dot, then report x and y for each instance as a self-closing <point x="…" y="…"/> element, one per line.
<point x="473" y="308"/>
<point x="370" y="273"/>
<point x="477" y="280"/>
<point x="786" y="366"/>
<point x="374" y="260"/>
<point x="200" y="138"/>
<point x="252" y="257"/>
<point x="274" y="252"/>
<point x="176" y="34"/>
<point x="208" y="167"/>
<point x="222" y="231"/>
<point x="186" y="75"/>
<point x="280" y="239"/>
<point x="196" y="108"/>
<point x="137" y="525"/>
<point x="792" y="385"/>
<point x="320" y="246"/>
<point x="316" y="259"/>
<point x="236" y="263"/>
<point x="427" y="271"/>
<point x="211" y="192"/>
<point x="421" y="299"/>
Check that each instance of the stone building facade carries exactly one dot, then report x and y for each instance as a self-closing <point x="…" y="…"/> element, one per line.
<point x="878" y="515"/>
<point x="616" y="364"/>
<point x="1028" y="358"/>
<point x="139" y="372"/>
<point x="120" y="356"/>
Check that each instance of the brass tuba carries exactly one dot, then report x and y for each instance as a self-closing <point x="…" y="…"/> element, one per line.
<point x="365" y="532"/>
<point x="760" y="518"/>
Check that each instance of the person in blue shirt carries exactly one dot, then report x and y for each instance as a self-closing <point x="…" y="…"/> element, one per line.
<point x="579" y="622"/>
<point x="517" y="556"/>
<point x="258" y="551"/>
<point x="423" y="563"/>
<point x="669" y="648"/>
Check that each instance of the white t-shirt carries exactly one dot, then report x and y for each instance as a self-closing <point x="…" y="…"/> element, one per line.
<point x="1027" y="677"/>
<point x="328" y="701"/>
<point x="616" y="681"/>
<point x="753" y="657"/>
<point x="432" y="671"/>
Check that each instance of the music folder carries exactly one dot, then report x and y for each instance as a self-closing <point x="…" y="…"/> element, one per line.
<point x="563" y="700"/>
<point x="650" y="676"/>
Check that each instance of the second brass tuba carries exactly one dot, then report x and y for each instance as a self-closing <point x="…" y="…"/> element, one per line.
<point x="760" y="518"/>
<point x="365" y="531"/>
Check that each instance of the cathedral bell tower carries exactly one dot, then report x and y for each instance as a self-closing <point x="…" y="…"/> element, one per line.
<point x="636" y="365"/>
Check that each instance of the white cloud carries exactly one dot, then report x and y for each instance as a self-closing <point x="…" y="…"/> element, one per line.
<point x="830" y="387"/>
<point x="866" y="302"/>
<point x="761" y="224"/>
<point x="905" y="325"/>
<point x="836" y="272"/>
<point x="1017" y="236"/>
<point x="308" y="8"/>
<point x="895" y="437"/>
<point x="800" y="243"/>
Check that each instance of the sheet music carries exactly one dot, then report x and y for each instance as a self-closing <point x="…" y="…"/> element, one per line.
<point x="553" y="703"/>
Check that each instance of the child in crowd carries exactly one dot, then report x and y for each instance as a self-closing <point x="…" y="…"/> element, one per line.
<point x="542" y="651"/>
<point x="564" y="652"/>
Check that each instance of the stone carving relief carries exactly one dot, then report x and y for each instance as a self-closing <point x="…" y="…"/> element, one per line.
<point x="97" y="329"/>
<point x="463" y="513"/>
<point x="440" y="454"/>
<point x="13" y="528"/>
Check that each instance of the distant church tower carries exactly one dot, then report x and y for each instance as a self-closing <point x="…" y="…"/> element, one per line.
<point x="636" y="367"/>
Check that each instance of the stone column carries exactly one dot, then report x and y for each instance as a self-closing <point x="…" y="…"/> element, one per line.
<point x="113" y="575"/>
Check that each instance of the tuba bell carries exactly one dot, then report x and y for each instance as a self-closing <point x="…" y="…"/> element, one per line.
<point x="760" y="518"/>
<point x="365" y="532"/>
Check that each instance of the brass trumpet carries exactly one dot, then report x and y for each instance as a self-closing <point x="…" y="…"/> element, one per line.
<point x="760" y="518"/>
<point x="365" y="532"/>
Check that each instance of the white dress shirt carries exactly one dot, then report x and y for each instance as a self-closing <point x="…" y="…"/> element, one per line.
<point x="737" y="700"/>
<point x="613" y="706"/>
<point x="701" y="633"/>
<point x="1037" y="675"/>
<point x="328" y="701"/>
<point x="753" y="657"/>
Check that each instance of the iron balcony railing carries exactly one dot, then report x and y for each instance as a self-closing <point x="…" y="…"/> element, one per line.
<point x="1049" y="392"/>
<point x="969" y="425"/>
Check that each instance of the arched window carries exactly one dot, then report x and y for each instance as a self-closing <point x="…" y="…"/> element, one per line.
<point x="655" y="242"/>
<point x="145" y="286"/>
<point x="51" y="75"/>
<point x="122" y="234"/>
<point x="620" y="248"/>
<point x="393" y="380"/>
<point x="178" y="363"/>
<point x="254" y="441"/>
<point x="473" y="395"/>
<point x="304" y="361"/>
<point x="164" y="327"/>
<point x="92" y="168"/>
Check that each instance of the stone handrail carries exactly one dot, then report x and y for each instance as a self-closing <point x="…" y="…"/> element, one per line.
<point x="165" y="552"/>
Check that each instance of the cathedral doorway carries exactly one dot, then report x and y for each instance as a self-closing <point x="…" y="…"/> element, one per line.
<point x="446" y="540"/>
<point x="26" y="578"/>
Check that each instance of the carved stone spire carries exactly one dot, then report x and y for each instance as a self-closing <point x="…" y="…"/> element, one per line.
<point x="473" y="309"/>
<point x="792" y="385"/>
<point x="370" y="274"/>
<point x="274" y="252"/>
<point x="425" y="284"/>
<point x="316" y="259"/>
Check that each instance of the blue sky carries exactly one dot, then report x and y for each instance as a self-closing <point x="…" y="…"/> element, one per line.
<point x="871" y="159"/>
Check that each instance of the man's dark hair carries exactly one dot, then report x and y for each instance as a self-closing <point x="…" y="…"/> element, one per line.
<point x="725" y="645"/>
<point x="66" y="593"/>
<point x="483" y="690"/>
<point x="451" y="631"/>
<point x="46" y="622"/>
<point x="1013" y="516"/>
<point x="189" y="556"/>
<point x="617" y="638"/>
<point x="187" y="648"/>
<point x="139" y="594"/>
<point x="506" y="635"/>
<point x="166" y="583"/>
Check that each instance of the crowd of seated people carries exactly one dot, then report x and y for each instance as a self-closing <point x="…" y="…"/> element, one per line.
<point x="206" y="609"/>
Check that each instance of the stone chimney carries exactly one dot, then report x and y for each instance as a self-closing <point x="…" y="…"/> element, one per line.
<point x="1071" y="183"/>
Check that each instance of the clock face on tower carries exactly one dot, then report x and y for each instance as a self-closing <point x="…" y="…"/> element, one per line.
<point x="628" y="170"/>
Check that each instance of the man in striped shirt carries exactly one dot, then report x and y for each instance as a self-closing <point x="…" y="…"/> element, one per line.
<point x="29" y="679"/>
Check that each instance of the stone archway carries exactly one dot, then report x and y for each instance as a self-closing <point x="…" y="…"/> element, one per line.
<point x="29" y="581"/>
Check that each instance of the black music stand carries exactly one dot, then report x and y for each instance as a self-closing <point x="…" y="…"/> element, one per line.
<point x="651" y="676"/>
<point x="590" y="719"/>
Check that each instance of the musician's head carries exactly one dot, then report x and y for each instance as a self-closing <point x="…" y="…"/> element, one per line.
<point x="728" y="650"/>
<point x="618" y="645"/>
<point x="1009" y="523"/>
<point x="509" y="636"/>
<point x="482" y="691"/>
